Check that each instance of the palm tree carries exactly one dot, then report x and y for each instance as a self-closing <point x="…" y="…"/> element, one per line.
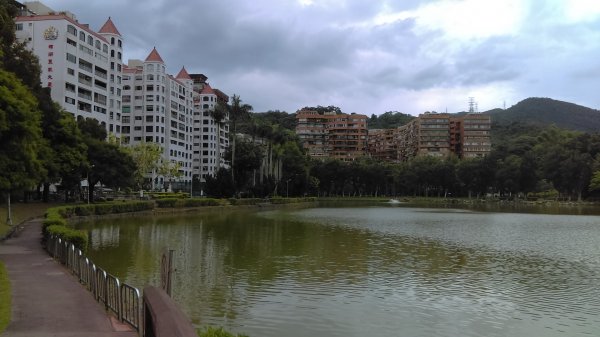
<point x="237" y="111"/>
<point x="219" y="114"/>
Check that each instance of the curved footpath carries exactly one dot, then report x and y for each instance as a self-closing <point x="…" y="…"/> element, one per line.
<point x="47" y="300"/>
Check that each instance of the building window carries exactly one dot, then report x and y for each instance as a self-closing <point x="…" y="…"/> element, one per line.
<point x="71" y="30"/>
<point x="105" y="48"/>
<point x="120" y="44"/>
<point x="90" y="40"/>
<point x="71" y="71"/>
<point x="112" y="41"/>
<point x="71" y="58"/>
<point x="82" y="36"/>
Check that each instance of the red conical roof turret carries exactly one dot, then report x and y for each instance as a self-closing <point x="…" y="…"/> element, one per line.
<point x="109" y="28"/>
<point x="183" y="74"/>
<point x="154" y="56"/>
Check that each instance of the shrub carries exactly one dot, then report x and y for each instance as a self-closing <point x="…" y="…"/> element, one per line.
<point x="84" y="210"/>
<point x="54" y="221"/>
<point x="78" y="238"/>
<point x="216" y="332"/>
<point x="281" y="200"/>
<point x="167" y="202"/>
<point x="168" y="195"/>
<point x="195" y="202"/>
<point x="246" y="201"/>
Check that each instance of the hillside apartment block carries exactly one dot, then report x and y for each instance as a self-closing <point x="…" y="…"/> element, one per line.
<point x="432" y="134"/>
<point x="136" y="102"/>
<point x="332" y="135"/>
<point x="345" y="137"/>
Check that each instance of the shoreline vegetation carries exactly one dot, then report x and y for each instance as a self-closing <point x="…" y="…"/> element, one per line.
<point x="60" y="214"/>
<point x="57" y="218"/>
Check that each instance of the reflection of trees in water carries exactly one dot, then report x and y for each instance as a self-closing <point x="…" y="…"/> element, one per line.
<point x="227" y="261"/>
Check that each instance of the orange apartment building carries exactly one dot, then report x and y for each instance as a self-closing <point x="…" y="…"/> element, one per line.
<point x="382" y="144"/>
<point x="332" y="135"/>
<point x="433" y="134"/>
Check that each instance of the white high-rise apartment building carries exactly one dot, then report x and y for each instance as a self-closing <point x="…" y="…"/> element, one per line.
<point x="211" y="139"/>
<point x="81" y="66"/>
<point x="158" y="108"/>
<point x="137" y="103"/>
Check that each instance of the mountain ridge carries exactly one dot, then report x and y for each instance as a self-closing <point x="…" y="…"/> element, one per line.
<point x="542" y="111"/>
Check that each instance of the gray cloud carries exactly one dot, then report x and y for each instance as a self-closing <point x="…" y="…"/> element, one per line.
<point x="281" y="55"/>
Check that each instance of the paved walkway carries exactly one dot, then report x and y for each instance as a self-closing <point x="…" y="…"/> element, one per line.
<point x="46" y="299"/>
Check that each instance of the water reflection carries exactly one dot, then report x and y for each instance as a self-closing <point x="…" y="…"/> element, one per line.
<point x="369" y="271"/>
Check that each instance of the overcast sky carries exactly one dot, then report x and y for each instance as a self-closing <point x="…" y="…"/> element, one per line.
<point x="368" y="56"/>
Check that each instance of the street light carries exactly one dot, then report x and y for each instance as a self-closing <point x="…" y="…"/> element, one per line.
<point x="88" y="183"/>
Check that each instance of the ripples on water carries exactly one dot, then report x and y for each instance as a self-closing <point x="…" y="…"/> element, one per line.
<point x="379" y="272"/>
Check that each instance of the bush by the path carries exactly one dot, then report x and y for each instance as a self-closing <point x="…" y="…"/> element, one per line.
<point x="182" y="203"/>
<point x="55" y="222"/>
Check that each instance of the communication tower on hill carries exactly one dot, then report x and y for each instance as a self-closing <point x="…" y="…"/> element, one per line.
<point x="473" y="108"/>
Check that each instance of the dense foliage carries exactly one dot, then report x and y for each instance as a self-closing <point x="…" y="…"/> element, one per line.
<point x="545" y="112"/>
<point x="388" y="120"/>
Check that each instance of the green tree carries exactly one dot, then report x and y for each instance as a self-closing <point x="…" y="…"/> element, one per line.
<point x="220" y="113"/>
<point x="219" y="185"/>
<point x="237" y="113"/>
<point x="65" y="157"/>
<point x="147" y="158"/>
<point x="109" y="164"/>
<point x="249" y="159"/>
<point x="170" y="170"/>
<point x="20" y="136"/>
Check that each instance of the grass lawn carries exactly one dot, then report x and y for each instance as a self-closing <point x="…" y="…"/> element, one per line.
<point x="5" y="298"/>
<point x="20" y="213"/>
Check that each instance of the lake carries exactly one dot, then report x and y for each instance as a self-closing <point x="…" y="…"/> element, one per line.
<point x="368" y="270"/>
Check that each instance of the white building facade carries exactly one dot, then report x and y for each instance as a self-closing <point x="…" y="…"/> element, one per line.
<point x="138" y="102"/>
<point x="211" y="138"/>
<point x="158" y="108"/>
<point x="82" y="67"/>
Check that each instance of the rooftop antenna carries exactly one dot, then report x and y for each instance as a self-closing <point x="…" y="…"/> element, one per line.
<point x="504" y="105"/>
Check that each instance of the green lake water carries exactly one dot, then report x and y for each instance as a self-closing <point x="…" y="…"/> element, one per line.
<point x="368" y="269"/>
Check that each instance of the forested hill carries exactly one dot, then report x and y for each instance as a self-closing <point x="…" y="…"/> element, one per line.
<point x="388" y="120"/>
<point x="545" y="111"/>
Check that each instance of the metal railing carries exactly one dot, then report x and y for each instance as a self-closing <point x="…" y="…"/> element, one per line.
<point x="120" y="298"/>
<point x="130" y="306"/>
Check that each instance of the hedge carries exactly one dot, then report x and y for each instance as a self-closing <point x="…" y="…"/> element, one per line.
<point x="78" y="238"/>
<point x="281" y="200"/>
<point x="55" y="222"/>
<point x="180" y="203"/>
<point x="246" y="201"/>
<point x="168" y="195"/>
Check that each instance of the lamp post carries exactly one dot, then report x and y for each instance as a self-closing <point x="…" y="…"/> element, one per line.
<point x="9" y="216"/>
<point x="88" y="183"/>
